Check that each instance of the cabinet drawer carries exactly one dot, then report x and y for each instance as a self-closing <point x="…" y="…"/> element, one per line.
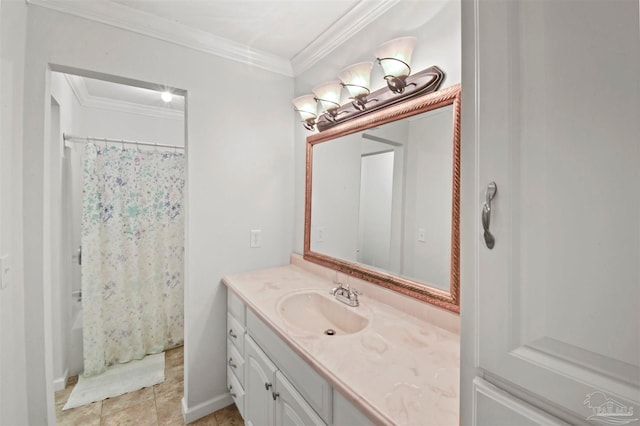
<point x="235" y="361"/>
<point x="236" y="307"/>
<point x="313" y="388"/>
<point x="236" y="390"/>
<point x="235" y="333"/>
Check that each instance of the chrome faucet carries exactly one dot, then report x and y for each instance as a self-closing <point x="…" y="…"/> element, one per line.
<point x="345" y="294"/>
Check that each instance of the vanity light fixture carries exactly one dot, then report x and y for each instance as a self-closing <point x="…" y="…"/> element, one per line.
<point x="394" y="57"/>
<point x="166" y="97"/>
<point x="329" y="96"/>
<point x="307" y="107"/>
<point x="356" y="78"/>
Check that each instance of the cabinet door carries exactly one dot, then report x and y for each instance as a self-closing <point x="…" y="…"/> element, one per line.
<point x="291" y="408"/>
<point x="495" y="407"/>
<point x="259" y="381"/>
<point x="553" y="113"/>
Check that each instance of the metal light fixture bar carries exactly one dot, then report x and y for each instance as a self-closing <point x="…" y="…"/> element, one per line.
<point x="425" y="81"/>
<point x="359" y="102"/>
<point x="396" y="83"/>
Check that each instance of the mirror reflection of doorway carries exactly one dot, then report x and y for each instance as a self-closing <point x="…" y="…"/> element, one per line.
<point x="376" y="197"/>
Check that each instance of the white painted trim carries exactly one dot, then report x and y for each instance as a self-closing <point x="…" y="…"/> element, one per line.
<point x="86" y="100"/>
<point x="140" y="22"/>
<point x="61" y="382"/>
<point x="191" y="414"/>
<point x="339" y="32"/>
<point x="79" y="89"/>
<point x="511" y="403"/>
<point x="117" y="15"/>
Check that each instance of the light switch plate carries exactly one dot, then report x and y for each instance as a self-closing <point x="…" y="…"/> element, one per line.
<point x="5" y="269"/>
<point x="256" y="238"/>
<point x="422" y="235"/>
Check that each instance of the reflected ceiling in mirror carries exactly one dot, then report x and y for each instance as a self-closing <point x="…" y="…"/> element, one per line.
<point x="382" y="199"/>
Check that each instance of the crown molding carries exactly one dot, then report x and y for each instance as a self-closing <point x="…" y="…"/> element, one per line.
<point x="117" y="15"/>
<point x="140" y="22"/>
<point x="339" y="32"/>
<point x="87" y="100"/>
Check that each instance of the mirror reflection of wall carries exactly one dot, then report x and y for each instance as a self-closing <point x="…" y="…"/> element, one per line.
<point x="428" y="194"/>
<point x="383" y="197"/>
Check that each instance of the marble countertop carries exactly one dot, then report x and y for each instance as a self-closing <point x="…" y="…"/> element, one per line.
<point x="398" y="370"/>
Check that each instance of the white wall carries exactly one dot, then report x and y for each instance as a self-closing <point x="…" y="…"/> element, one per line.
<point x="436" y="24"/>
<point x="125" y="125"/>
<point x="69" y="121"/>
<point x="336" y="197"/>
<point x="13" y="368"/>
<point x="239" y="178"/>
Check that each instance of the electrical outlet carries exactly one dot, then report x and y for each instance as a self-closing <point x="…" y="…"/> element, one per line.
<point x="422" y="235"/>
<point x="255" y="238"/>
<point x="320" y="234"/>
<point x="5" y="270"/>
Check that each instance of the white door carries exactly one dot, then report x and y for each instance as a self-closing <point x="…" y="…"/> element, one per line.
<point x="551" y="113"/>
<point x="259" y="386"/>
<point x="376" y="202"/>
<point x="291" y="408"/>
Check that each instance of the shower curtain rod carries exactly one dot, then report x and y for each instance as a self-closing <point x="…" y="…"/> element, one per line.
<point x="79" y="139"/>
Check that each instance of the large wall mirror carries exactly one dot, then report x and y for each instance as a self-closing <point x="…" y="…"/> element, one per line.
<point x="383" y="197"/>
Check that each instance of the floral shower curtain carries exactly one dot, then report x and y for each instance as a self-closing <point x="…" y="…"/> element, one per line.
<point x="133" y="252"/>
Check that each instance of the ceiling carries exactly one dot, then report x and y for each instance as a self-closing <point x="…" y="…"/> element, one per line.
<point x="281" y="28"/>
<point x="93" y="93"/>
<point x="283" y="36"/>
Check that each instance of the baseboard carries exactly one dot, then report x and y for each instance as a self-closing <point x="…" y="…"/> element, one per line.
<point x="61" y="382"/>
<point x="194" y="413"/>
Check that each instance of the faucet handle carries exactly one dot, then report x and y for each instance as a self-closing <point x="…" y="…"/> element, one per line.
<point x="334" y="290"/>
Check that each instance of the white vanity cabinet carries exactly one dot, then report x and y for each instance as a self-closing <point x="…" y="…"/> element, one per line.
<point x="291" y="408"/>
<point x="344" y="413"/>
<point x="260" y="392"/>
<point x="235" y="349"/>
<point x="270" y="398"/>
<point x="281" y="389"/>
<point x="271" y="384"/>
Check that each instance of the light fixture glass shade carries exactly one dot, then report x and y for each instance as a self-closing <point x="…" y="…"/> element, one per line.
<point x="328" y="94"/>
<point x="307" y="106"/>
<point x="394" y="54"/>
<point x="357" y="78"/>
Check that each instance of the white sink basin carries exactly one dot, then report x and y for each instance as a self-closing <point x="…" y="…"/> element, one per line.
<point x="314" y="312"/>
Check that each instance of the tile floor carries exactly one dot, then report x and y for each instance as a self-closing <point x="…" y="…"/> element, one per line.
<point x="157" y="405"/>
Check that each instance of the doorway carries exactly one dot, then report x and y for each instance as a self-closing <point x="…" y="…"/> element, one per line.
<point x="109" y="116"/>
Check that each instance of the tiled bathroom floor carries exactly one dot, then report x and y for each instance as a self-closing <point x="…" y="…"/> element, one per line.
<point x="157" y="405"/>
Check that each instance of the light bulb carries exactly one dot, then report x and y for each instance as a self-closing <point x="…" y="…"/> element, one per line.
<point x="356" y="78"/>
<point x="395" y="56"/>
<point x="167" y="96"/>
<point x="328" y="94"/>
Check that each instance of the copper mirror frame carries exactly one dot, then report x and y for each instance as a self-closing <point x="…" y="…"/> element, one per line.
<point x="448" y="300"/>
